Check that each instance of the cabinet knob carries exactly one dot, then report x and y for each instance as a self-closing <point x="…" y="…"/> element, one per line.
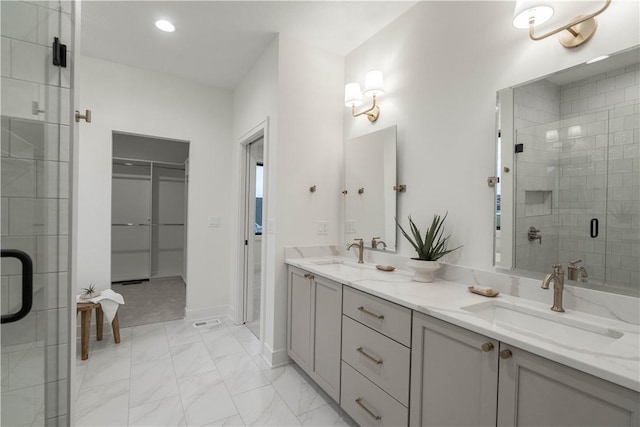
<point x="487" y="346"/>
<point x="309" y="276"/>
<point x="506" y="353"/>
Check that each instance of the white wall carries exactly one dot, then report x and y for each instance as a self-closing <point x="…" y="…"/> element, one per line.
<point x="443" y="63"/>
<point x="137" y="101"/>
<point x="255" y="100"/>
<point x="300" y="88"/>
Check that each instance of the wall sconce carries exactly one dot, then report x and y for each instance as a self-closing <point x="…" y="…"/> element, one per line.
<point x="373" y="87"/>
<point x="529" y="13"/>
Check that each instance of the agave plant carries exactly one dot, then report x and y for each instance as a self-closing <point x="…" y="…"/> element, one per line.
<point x="433" y="246"/>
<point x="89" y="290"/>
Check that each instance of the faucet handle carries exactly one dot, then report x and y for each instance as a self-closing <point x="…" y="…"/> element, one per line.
<point x="556" y="267"/>
<point x="575" y="263"/>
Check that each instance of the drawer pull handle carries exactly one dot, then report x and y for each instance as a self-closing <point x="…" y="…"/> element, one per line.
<point x="376" y="315"/>
<point x="308" y="276"/>
<point x="368" y="356"/>
<point x="506" y="354"/>
<point x="367" y="410"/>
<point x="487" y="346"/>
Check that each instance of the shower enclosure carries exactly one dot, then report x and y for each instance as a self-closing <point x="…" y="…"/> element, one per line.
<point x="35" y="199"/>
<point x="577" y="196"/>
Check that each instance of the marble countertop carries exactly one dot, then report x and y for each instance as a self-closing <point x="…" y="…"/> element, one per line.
<point x="615" y="357"/>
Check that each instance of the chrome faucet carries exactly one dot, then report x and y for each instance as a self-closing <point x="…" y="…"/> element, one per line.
<point x="577" y="272"/>
<point x="360" y="245"/>
<point x="376" y="241"/>
<point x="558" y="286"/>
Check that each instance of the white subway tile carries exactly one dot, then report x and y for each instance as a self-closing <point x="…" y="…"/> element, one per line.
<point x="597" y="101"/>
<point x="605" y="85"/>
<point x="19" y="20"/>
<point x="18" y="178"/>
<point x="17" y="98"/>
<point x="614" y="97"/>
<point x="6" y="57"/>
<point x="29" y="61"/>
<point x="624" y="80"/>
<point x="632" y="93"/>
<point x="52" y="179"/>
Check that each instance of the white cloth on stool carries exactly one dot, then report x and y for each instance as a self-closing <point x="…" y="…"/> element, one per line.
<point x="109" y="301"/>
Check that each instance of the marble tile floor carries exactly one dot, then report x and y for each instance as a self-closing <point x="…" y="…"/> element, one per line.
<point x="173" y="374"/>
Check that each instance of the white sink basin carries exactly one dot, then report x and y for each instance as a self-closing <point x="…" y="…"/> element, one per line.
<point x="560" y="328"/>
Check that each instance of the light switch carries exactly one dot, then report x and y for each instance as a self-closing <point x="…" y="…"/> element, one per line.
<point x="350" y="226"/>
<point x="271" y="226"/>
<point x="322" y="227"/>
<point x="214" y="221"/>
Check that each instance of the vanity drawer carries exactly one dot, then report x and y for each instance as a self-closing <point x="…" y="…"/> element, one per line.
<point x="385" y="317"/>
<point x="367" y="404"/>
<point x="380" y="359"/>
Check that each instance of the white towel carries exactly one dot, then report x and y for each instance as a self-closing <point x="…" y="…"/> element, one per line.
<point x="109" y="301"/>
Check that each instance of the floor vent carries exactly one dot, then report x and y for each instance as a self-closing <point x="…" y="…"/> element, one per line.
<point x="205" y="323"/>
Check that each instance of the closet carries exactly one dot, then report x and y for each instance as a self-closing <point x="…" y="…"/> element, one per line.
<point x="148" y="209"/>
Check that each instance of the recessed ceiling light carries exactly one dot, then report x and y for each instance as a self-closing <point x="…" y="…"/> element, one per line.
<point x="165" y="25"/>
<point x="599" y="58"/>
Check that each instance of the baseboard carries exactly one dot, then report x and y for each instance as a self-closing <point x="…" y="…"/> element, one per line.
<point x="275" y="358"/>
<point x="207" y="313"/>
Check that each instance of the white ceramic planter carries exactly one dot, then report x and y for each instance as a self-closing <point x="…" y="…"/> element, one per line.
<point x="423" y="270"/>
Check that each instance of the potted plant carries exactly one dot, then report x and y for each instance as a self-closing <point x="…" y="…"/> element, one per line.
<point x="430" y="248"/>
<point x="89" y="292"/>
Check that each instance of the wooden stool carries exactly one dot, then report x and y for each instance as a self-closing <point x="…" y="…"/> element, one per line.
<point x="85" y="308"/>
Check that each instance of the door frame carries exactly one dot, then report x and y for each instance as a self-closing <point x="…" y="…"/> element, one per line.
<point x="261" y="130"/>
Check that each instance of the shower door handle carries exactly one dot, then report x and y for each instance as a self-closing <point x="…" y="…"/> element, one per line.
<point x="27" y="284"/>
<point x="593" y="228"/>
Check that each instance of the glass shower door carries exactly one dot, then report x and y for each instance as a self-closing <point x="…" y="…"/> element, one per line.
<point x="35" y="200"/>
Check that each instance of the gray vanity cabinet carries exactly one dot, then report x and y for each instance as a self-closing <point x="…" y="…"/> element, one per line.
<point x="454" y="375"/>
<point x="314" y="322"/>
<point x="538" y="391"/>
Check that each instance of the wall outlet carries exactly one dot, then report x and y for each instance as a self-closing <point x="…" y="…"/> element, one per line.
<point x="214" y="221"/>
<point x="322" y="227"/>
<point x="350" y="226"/>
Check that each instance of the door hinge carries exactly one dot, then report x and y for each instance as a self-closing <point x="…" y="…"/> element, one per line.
<point x="59" y="53"/>
<point x="246" y="242"/>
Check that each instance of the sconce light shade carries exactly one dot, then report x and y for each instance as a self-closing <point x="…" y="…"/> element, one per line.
<point x="352" y="95"/>
<point x="373" y="83"/>
<point x="574" y="132"/>
<point x="540" y="10"/>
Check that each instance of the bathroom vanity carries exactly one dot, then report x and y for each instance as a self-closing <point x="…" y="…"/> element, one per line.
<point x="395" y="352"/>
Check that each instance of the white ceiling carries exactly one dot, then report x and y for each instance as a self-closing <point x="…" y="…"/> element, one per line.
<point x="217" y="42"/>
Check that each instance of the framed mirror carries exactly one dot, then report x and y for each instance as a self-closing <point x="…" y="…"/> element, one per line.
<point x="370" y="199"/>
<point x="569" y="166"/>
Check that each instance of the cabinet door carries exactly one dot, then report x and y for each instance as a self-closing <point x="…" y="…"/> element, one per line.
<point x="534" y="391"/>
<point x="454" y="375"/>
<point x="327" y="317"/>
<point x="299" y="318"/>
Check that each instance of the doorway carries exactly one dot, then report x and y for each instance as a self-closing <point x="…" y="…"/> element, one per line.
<point x="253" y="231"/>
<point x="148" y="230"/>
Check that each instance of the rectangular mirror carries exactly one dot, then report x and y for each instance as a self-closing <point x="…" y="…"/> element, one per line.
<point x="569" y="166"/>
<point x="370" y="199"/>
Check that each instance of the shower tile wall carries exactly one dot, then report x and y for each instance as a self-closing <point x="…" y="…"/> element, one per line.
<point x="536" y="110"/>
<point x="35" y="173"/>
<point x="614" y="156"/>
<point x="591" y="148"/>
